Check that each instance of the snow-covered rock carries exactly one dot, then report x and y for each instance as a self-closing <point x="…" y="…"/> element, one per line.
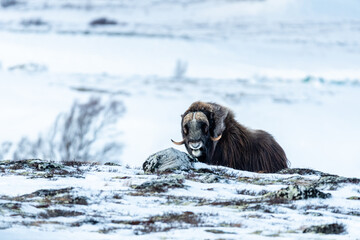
<point x="168" y="160"/>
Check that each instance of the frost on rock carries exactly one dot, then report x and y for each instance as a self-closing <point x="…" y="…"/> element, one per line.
<point x="168" y="160"/>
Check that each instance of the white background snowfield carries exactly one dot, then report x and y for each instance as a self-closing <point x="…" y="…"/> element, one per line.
<point x="288" y="67"/>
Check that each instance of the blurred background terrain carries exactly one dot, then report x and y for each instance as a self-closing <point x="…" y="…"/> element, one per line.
<point x="288" y="67"/>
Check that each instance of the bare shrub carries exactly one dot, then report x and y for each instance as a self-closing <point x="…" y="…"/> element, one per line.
<point x="4" y="149"/>
<point x="76" y="135"/>
<point x="180" y="70"/>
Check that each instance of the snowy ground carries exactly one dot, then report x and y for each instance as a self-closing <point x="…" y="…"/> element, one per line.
<point x="288" y="67"/>
<point x="44" y="200"/>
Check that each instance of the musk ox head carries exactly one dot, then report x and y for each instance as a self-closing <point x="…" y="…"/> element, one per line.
<point x="202" y="127"/>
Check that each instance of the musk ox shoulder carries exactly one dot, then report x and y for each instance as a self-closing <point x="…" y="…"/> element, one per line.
<point x="212" y="135"/>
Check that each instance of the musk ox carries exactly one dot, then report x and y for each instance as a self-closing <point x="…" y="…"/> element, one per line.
<point x="212" y="135"/>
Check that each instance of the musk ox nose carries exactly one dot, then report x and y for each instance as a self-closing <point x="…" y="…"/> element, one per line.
<point x="195" y="145"/>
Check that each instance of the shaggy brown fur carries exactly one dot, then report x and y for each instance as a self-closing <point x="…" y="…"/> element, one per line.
<point x="239" y="147"/>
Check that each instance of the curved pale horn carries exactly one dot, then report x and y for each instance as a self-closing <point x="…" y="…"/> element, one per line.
<point x="201" y="117"/>
<point x="216" y="139"/>
<point x="187" y="118"/>
<point x="178" y="143"/>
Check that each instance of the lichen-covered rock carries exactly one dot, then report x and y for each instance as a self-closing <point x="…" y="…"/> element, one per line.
<point x="37" y="168"/>
<point x="332" y="182"/>
<point x="333" y="228"/>
<point x="303" y="171"/>
<point x="295" y="192"/>
<point x="209" y="178"/>
<point x="161" y="185"/>
<point x="168" y="160"/>
<point x="36" y="164"/>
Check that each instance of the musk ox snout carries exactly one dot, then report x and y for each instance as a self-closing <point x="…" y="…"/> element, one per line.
<point x="195" y="145"/>
<point x="196" y="148"/>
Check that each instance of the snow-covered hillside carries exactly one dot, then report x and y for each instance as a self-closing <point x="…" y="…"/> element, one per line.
<point x="47" y="200"/>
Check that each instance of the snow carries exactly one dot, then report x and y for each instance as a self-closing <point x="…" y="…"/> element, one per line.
<point x="288" y="67"/>
<point x="314" y="122"/>
<point x="114" y="205"/>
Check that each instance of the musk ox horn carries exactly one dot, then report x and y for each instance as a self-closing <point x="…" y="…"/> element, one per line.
<point x="216" y="138"/>
<point x="178" y="143"/>
<point x="195" y="116"/>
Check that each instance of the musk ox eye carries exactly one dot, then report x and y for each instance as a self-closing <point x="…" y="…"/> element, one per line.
<point x="204" y="127"/>
<point x="186" y="129"/>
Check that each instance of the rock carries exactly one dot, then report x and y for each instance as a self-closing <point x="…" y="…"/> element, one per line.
<point x="303" y="171"/>
<point x="168" y="160"/>
<point x="295" y="192"/>
<point x="332" y="182"/>
<point x="37" y="168"/>
<point x="209" y="178"/>
<point x="36" y="164"/>
<point x="102" y="22"/>
<point x="334" y="228"/>
<point x="162" y="185"/>
<point x="353" y="198"/>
